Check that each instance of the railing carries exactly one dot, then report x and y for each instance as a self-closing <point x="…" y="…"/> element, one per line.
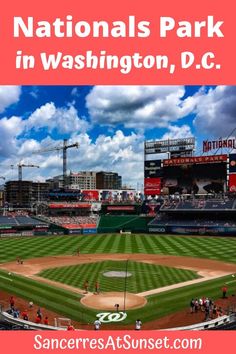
<point x="219" y="321"/>
<point x="4" y="316"/>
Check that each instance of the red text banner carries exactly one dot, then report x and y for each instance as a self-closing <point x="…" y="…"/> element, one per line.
<point x="195" y="160"/>
<point x="152" y="186"/>
<point x="232" y="182"/>
<point x="118" y="342"/>
<point x="117" y="42"/>
<point x="122" y="207"/>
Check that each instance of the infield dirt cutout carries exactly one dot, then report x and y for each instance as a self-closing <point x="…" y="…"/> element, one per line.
<point x="207" y="269"/>
<point x="107" y="301"/>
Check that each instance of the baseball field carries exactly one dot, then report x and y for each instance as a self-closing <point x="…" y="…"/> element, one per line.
<point x="150" y="276"/>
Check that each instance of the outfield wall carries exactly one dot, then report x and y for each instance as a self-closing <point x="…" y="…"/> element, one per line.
<point x="192" y="230"/>
<point x="126" y="223"/>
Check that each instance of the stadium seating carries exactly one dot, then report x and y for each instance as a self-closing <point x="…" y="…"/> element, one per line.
<point x="72" y="220"/>
<point x="200" y="204"/>
<point x="19" y="221"/>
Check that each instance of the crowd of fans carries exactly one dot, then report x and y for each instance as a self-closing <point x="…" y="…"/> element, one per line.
<point x="27" y="314"/>
<point x="16" y="213"/>
<point x="78" y="220"/>
<point x="181" y="202"/>
<point x="171" y="220"/>
<point x="207" y="306"/>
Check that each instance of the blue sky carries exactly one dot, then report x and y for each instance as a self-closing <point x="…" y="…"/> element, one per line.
<point x="109" y="122"/>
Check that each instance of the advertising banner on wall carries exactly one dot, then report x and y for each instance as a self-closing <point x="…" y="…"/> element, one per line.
<point x="152" y="168"/>
<point x="152" y="186"/>
<point x="232" y="182"/>
<point x="232" y="163"/>
<point x="90" y="195"/>
<point x="195" y="160"/>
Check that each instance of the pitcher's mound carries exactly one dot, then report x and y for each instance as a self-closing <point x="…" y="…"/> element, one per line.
<point x="107" y="301"/>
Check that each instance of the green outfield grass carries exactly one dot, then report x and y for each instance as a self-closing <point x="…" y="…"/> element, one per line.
<point x="143" y="277"/>
<point x="219" y="248"/>
<point x="68" y="303"/>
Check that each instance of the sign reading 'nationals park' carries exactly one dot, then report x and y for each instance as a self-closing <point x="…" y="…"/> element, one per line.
<point x="195" y="160"/>
<point x="229" y="143"/>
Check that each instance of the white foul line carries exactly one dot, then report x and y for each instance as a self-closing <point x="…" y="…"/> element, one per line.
<point x="1" y="276"/>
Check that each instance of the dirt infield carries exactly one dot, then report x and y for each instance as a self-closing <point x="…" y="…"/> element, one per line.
<point x="208" y="269"/>
<point x="106" y="301"/>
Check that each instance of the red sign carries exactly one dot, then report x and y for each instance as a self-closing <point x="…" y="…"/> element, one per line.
<point x="122" y="207"/>
<point x="90" y="195"/>
<point x="219" y="144"/>
<point x="68" y="205"/>
<point x="232" y="182"/>
<point x="71" y="226"/>
<point x="195" y="160"/>
<point x="152" y="186"/>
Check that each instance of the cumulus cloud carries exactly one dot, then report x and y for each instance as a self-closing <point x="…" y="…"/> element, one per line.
<point x="63" y="119"/>
<point x="178" y="132"/>
<point x="140" y="107"/>
<point x="10" y="128"/>
<point x="15" y="131"/>
<point x="216" y="111"/>
<point x="8" y="96"/>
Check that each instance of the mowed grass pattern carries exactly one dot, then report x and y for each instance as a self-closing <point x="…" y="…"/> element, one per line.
<point x="144" y="276"/>
<point x="218" y="248"/>
<point x="68" y="303"/>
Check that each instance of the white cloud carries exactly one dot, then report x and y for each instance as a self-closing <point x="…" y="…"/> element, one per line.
<point x="118" y="153"/>
<point x="8" y="96"/>
<point x="178" y="132"/>
<point x="10" y="128"/>
<point x="216" y="111"/>
<point x="140" y="107"/>
<point x="64" y="120"/>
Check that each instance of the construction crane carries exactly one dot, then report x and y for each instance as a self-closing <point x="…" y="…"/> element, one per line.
<point x="64" y="149"/>
<point x="20" y="166"/>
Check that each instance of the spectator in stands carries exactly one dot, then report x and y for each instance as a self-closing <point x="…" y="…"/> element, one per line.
<point x="192" y="306"/>
<point x="97" y="324"/>
<point x="39" y="313"/>
<point x="25" y="315"/>
<point x="16" y="313"/>
<point x="214" y="311"/>
<point x="219" y="312"/>
<point x="70" y="328"/>
<point x="12" y="302"/>
<point x="196" y="305"/>
<point x="38" y="319"/>
<point x="138" y="325"/>
<point x="207" y="313"/>
<point x="46" y="321"/>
